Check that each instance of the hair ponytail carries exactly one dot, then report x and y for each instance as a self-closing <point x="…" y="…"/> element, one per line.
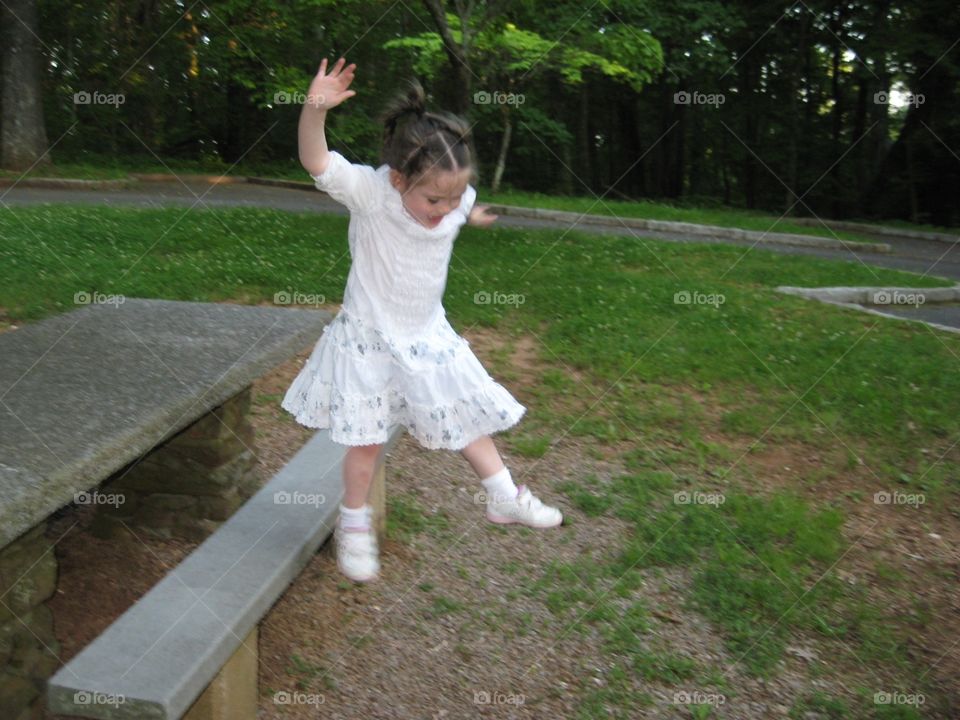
<point x="411" y="102"/>
<point x="416" y="141"/>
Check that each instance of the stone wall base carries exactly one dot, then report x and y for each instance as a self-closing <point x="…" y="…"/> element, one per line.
<point x="28" y="648"/>
<point x="188" y="485"/>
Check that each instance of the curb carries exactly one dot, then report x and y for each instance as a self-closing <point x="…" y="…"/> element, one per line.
<point x="863" y="299"/>
<point x="211" y="179"/>
<point x="879" y="230"/>
<point x="867" y="295"/>
<point x="68" y="183"/>
<point x="715" y="231"/>
<point x="276" y="182"/>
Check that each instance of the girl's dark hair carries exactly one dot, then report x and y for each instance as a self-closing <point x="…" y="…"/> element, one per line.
<point x="416" y="141"/>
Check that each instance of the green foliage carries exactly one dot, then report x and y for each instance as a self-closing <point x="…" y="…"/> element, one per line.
<point x="503" y="55"/>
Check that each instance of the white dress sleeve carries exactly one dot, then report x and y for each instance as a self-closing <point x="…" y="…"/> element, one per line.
<point x="351" y="184"/>
<point x="467" y="201"/>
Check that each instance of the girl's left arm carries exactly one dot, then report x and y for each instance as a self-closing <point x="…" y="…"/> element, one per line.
<point x="480" y="216"/>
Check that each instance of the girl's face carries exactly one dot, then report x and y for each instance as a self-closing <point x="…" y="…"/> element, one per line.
<point x="434" y="195"/>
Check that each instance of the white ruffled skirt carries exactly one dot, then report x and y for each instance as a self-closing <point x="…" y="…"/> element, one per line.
<point x="358" y="382"/>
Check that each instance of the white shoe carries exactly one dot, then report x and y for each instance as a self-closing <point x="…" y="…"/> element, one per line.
<point x="525" y="509"/>
<point x="357" y="553"/>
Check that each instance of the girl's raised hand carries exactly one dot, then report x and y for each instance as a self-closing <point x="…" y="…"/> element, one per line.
<point x="330" y="89"/>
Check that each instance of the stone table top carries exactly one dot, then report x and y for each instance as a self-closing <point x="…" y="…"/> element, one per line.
<point x="84" y="393"/>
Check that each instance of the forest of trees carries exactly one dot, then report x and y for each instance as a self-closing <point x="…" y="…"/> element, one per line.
<point x="839" y="108"/>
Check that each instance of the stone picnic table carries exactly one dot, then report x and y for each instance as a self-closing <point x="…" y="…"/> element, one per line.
<point x="138" y="406"/>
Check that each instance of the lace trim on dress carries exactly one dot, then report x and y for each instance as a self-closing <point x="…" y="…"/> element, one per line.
<point x="364" y="419"/>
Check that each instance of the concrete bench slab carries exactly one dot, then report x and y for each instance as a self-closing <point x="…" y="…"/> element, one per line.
<point x="84" y="393"/>
<point x="155" y="660"/>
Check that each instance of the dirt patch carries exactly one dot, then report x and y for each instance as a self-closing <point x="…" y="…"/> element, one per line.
<point x="905" y="554"/>
<point x="6" y="324"/>
<point x="513" y="358"/>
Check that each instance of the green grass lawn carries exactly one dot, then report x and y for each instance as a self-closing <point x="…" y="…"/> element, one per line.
<point x="689" y="394"/>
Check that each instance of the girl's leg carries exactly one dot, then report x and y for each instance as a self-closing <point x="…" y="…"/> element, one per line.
<point x="356" y="539"/>
<point x="483" y="457"/>
<point x="505" y="503"/>
<point x="358" y="474"/>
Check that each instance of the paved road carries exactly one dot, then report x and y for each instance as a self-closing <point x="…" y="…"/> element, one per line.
<point x="924" y="257"/>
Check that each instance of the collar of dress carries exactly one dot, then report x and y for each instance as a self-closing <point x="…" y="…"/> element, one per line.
<point x="393" y="202"/>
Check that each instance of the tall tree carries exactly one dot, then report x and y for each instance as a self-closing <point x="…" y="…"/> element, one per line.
<point x="23" y="139"/>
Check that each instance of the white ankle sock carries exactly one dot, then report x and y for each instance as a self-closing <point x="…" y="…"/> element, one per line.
<point x="355" y="518"/>
<point x="500" y="487"/>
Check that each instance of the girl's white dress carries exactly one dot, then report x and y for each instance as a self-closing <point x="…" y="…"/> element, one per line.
<point x="390" y="356"/>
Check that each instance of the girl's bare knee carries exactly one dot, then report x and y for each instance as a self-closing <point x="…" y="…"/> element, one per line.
<point x="365" y="451"/>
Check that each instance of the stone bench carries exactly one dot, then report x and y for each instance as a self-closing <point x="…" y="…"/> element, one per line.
<point x="156" y="659"/>
<point x="143" y="401"/>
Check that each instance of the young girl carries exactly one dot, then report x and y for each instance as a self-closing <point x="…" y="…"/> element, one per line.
<point x="390" y="356"/>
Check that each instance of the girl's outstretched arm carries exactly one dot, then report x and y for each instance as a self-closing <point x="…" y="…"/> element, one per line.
<point x="481" y="216"/>
<point x="326" y="91"/>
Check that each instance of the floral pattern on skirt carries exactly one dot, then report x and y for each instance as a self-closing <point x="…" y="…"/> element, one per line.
<point x="359" y="381"/>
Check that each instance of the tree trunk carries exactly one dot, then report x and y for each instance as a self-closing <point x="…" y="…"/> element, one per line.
<point x="586" y="142"/>
<point x="813" y="100"/>
<point x="566" y="177"/>
<point x="750" y="136"/>
<point x="504" y="146"/>
<point x="911" y="182"/>
<point x="695" y="182"/>
<point x="838" y="47"/>
<point x="642" y="186"/>
<point x="678" y="143"/>
<point x="790" y="200"/>
<point x="23" y="139"/>
<point x="724" y="169"/>
<point x="457" y="54"/>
